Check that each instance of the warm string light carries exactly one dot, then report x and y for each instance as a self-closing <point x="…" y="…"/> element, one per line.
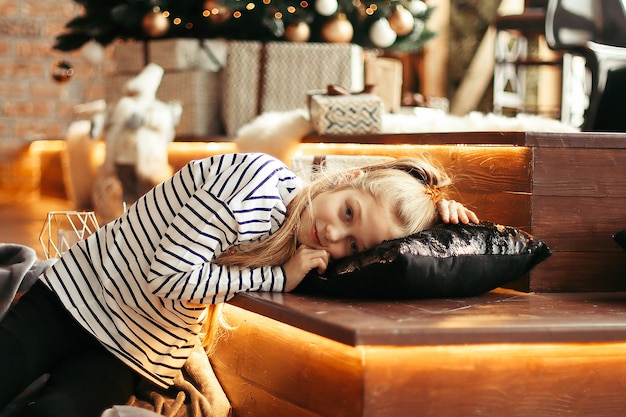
<point x="249" y="7"/>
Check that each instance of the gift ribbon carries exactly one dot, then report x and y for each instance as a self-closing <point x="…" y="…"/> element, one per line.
<point x="261" y="87"/>
<point x="335" y="90"/>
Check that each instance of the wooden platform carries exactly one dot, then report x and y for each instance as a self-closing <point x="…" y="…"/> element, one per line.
<point x="501" y="354"/>
<point x="501" y="316"/>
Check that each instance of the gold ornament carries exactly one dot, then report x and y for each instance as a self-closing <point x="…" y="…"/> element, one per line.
<point x="155" y="24"/>
<point x="62" y="71"/>
<point x="401" y="21"/>
<point x="338" y="30"/>
<point x="298" y="32"/>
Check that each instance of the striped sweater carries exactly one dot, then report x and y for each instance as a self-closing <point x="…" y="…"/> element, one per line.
<point x="136" y="283"/>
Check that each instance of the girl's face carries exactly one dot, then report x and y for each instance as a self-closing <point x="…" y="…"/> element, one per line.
<point x="344" y="221"/>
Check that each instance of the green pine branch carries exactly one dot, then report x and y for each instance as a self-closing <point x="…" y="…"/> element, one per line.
<point x="104" y="21"/>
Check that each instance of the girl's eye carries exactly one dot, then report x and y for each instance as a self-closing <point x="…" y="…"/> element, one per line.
<point x="354" y="248"/>
<point x="348" y="212"/>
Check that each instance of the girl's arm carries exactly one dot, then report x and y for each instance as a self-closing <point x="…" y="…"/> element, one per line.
<point x="244" y="203"/>
<point x="183" y="267"/>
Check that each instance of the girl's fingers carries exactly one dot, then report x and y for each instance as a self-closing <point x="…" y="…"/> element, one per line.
<point x="473" y="217"/>
<point x="315" y="258"/>
<point x="451" y="211"/>
<point x="444" y="212"/>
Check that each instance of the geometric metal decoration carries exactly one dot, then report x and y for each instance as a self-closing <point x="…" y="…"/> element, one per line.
<point x="62" y="229"/>
<point x="509" y="83"/>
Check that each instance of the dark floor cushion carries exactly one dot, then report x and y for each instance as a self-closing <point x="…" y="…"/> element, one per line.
<point x="445" y="261"/>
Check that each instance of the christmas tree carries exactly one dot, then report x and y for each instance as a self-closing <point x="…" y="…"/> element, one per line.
<point x="390" y="24"/>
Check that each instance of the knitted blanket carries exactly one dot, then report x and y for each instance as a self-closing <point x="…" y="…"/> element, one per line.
<point x="19" y="270"/>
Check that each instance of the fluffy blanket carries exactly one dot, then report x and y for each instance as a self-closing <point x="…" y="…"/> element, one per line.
<point x="196" y="391"/>
<point x="19" y="270"/>
<point x="427" y="120"/>
<point x="278" y="133"/>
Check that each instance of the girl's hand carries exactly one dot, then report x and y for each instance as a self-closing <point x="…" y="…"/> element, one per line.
<point x="451" y="211"/>
<point x="304" y="260"/>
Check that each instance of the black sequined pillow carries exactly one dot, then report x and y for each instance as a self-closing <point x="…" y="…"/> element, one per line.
<point x="445" y="261"/>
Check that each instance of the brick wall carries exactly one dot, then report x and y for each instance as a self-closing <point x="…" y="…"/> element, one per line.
<point x="32" y="105"/>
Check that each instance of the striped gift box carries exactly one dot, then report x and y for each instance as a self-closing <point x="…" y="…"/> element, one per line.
<point x="198" y="92"/>
<point x="350" y="114"/>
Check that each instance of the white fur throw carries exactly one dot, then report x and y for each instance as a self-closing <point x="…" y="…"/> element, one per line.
<point x="278" y="133"/>
<point x="275" y="133"/>
<point x="425" y="120"/>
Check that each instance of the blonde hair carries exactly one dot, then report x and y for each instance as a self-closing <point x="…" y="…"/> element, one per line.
<point x="405" y="186"/>
<point x="408" y="187"/>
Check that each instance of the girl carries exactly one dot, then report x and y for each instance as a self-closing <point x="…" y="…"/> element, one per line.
<point x="130" y="299"/>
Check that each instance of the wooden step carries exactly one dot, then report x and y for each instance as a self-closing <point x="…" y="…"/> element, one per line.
<point x="501" y="354"/>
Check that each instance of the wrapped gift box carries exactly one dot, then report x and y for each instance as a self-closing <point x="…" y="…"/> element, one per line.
<point x="189" y="54"/>
<point x="349" y="114"/>
<point x="130" y="57"/>
<point x="386" y="75"/>
<point x="276" y="76"/>
<point x="241" y="80"/>
<point x="178" y="54"/>
<point x="198" y="92"/>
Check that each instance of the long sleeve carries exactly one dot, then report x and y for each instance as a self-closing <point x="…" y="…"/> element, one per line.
<point x="242" y="203"/>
